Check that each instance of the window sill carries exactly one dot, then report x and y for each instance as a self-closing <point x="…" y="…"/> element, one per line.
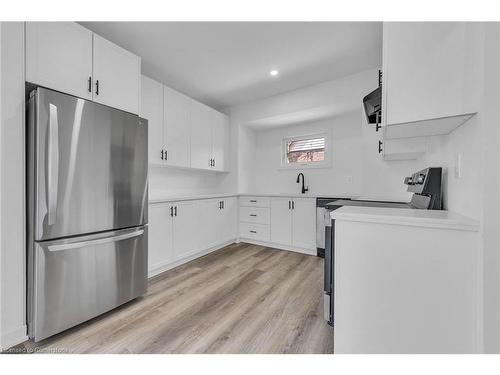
<point x="304" y="166"/>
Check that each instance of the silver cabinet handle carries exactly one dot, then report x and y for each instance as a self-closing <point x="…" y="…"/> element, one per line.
<point x="253" y="201"/>
<point x="253" y="215"/>
<point x="99" y="241"/>
<point x="253" y="231"/>
<point x="53" y="165"/>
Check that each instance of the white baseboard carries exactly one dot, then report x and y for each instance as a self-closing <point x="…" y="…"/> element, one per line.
<point x="168" y="266"/>
<point x="13" y="337"/>
<point x="280" y="247"/>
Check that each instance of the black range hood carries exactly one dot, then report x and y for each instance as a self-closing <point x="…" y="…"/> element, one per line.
<point x="373" y="103"/>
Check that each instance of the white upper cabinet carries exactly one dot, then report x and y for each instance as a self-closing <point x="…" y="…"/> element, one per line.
<point x="220" y="140"/>
<point x="430" y="76"/>
<point x="183" y="132"/>
<point x="59" y="57"/>
<point x="116" y="73"/>
<point x="152" y="110"/>
<point x="176" y="139"/>
<point x="209" y="138"/>
<point x="201" y="136"/>
<point x="66" y="57"/>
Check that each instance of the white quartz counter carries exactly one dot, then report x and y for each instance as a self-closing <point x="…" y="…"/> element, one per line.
<point x="400" y="216"/>
<point x="159" y="197"/>
<point x="155" y="197"/>
<point x="299" y="195"/>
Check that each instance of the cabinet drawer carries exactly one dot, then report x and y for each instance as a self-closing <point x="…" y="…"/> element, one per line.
<point x="257" y="232"/>
<point x="254" y="202"/>
<point x="259" y="215"/>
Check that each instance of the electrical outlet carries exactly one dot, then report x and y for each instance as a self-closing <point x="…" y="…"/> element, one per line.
<point x="349" y="179"/>
<point x="458" y="166"/>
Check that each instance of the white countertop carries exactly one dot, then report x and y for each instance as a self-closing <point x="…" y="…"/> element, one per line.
<point x="299" y="195"/>
<point x="401" y="216"/>
<point x="158" y="196"/>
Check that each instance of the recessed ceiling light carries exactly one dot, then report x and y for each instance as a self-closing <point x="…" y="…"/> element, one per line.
<point x="274" y="73"/>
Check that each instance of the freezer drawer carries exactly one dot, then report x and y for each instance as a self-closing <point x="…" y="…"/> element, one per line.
<point x="88" y="167"/>
<point x="76" y="279"/>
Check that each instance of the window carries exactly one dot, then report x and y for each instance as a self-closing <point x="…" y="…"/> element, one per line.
<point x="306" y="150"/>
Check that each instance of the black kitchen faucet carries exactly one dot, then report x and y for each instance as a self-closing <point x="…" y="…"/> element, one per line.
<point x="304" y="189"/>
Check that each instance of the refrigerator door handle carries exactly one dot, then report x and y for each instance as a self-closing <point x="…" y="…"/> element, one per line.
<point x="53" y="165"/>
<point x="98" y="241"/>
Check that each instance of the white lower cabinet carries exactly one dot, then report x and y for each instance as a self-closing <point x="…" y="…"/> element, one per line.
<point x="210" y="223"/>
<point x="160" y="251"/>
<point x="281" y="221"/>
<point x="285" y="222"/>
<point x="185" y="223"/>
<point x="293" y="222"/>
<point x="304" y="223"/>
<point x="181" y="231"/>
<point x="228" y="219"/>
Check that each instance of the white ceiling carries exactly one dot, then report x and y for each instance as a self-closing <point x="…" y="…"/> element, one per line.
<point x="228" y="63"/>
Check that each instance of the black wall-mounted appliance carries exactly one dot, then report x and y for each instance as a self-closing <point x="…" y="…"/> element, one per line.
<point x="373" y="104"/>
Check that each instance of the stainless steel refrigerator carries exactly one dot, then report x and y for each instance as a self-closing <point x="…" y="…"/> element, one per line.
<point x="87" y="200"/>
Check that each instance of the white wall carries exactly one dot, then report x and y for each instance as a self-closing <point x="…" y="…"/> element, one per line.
<point x="12" y="225"/>
<point x="164" y="181"/>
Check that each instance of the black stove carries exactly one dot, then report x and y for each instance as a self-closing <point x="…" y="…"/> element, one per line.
<point x="427" y="195"/>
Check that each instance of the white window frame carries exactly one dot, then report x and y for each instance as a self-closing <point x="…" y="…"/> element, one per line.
<point x="326" y="163"/>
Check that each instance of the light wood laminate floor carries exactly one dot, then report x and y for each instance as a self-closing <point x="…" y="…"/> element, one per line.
<point x="240" y="299"/>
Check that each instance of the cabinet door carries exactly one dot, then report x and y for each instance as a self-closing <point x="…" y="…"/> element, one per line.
<point x="59" y="57"/>
<point x="210" y="223"/>
<point x="185" y="229"/>
<point x="281" y="221"/>
<point x="152" y="110"/>
<point x="177" y="128"/>
<point x="429" y="70"/>
<point x="220" y="143"/>
<point x="116" y="76"/>
<point x="229" y="219"/>
<point x="304" y="223"/>
<point x="201" y="135"/>
<point x="160" y="236"/>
